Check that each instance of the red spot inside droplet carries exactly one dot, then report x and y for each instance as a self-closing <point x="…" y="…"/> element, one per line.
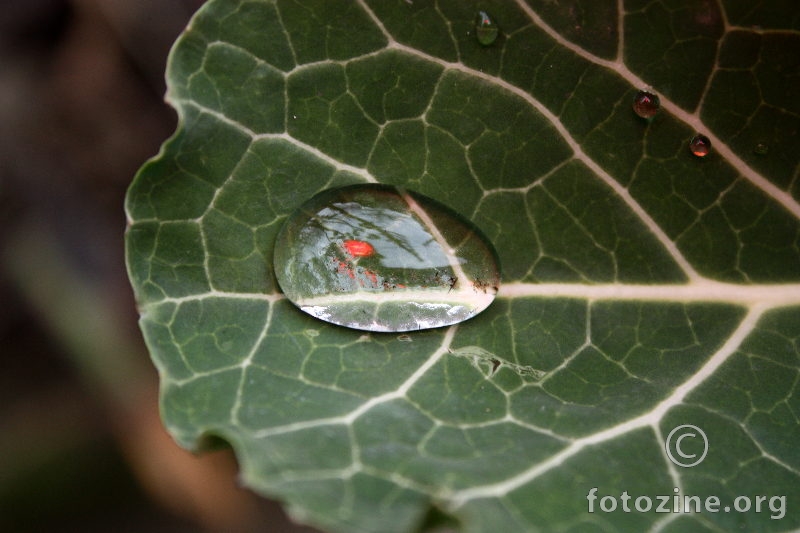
<point x="358" y="248"/>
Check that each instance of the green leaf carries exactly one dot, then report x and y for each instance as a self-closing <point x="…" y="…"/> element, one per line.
<point x="643" y="288"/>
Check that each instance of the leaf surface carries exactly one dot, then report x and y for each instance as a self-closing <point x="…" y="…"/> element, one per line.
<point x="642" y="287"/>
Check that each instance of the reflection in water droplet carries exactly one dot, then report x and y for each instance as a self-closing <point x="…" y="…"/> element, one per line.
<point x="378" y="258"/>
<point x="486" y="29"/>
<point x="700" y="145"/>
<point x="646" y="104"/>
<point x="358" y="248"/>
<point x="761" y="149"/>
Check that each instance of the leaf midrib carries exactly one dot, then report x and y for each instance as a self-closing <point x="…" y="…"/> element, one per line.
<point x="771" y="294"/>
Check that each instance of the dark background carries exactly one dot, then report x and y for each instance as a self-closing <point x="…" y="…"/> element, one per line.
<point x="81" y="444"/>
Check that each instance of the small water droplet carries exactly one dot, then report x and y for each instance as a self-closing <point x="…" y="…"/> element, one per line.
<point x="486" y="29"/>
<point x="379" y="258"/>
<point x="761" y="149"/>
<point x="646" y="104"/>
<point x="700" y="145"/>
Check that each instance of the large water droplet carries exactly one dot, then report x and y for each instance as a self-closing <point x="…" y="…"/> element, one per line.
<point x="646" y="104"/>
<point x="486" y="29"/>
<point x="379" y="258"/>
<point x="700" y="145"/>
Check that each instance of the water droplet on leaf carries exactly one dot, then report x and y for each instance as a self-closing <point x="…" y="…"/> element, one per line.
<point x="486" y="29"/>
<point x="646" y="104"/>
<point x="379" y="258"/>
<point x="761" y="149"/>
<point x="700" y="145"/>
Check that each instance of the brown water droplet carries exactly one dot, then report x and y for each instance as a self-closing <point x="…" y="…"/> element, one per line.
<point x="646" y="104"/>
<point x="700" y="145"/>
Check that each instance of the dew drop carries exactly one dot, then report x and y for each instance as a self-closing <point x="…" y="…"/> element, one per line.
<point x="646" y="104"/>
<point x="761" y="149"/>
<point x="700" y="145"/>
<point x="379" y="258"/>
<point x="486" y="29"/>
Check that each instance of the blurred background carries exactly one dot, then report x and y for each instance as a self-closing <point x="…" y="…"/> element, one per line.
<point x="81" y="445"/>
